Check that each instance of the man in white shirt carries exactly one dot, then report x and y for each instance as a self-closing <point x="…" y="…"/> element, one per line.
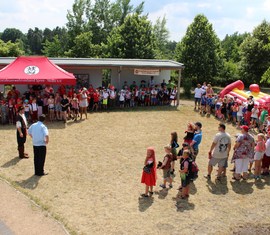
<point x="219" y="151"/>
<point x="40" y="138"/>
<point x="197" y="96"/>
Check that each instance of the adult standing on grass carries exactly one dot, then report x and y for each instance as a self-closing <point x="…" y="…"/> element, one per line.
<point x="197" y="96"/>
<point x="40" y="138"/>
<point x="219" y="151"/>
<point x="21" y="125"/>
<point x="196" y="140"/>
<point x="243" y="152"/>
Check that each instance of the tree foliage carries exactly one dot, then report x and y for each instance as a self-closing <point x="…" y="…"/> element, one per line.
<point x="35" y="38"/>
<point x="200" y="51"/>
<point x="255" y="51"/>
<point x="133" y="39"/>
<point x="161" y="34"/>
<point x="10" y="49"/>
<point x="12" y="34"/>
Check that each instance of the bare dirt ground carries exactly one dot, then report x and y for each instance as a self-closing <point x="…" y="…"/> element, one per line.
<point x="95" y="165"/>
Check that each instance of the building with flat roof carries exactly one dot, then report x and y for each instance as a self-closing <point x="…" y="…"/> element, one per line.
<point x="113" y="71"/>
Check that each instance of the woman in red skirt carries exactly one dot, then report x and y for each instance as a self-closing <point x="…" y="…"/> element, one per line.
<point x="149" y="175"/>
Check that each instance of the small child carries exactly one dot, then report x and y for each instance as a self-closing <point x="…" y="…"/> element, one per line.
<point x="203" y="104"/>
<point x="105" y="95"/>
<point x="259" y="152"/>
<point x="184" y="174"/>
<point x="75" y="107"/>
<point x="174" y="146"/>
<point x="149" y="177"/>
<point x="240" y="114"/>
<point x="189" y="133"/>
<point x="166" y="167"/>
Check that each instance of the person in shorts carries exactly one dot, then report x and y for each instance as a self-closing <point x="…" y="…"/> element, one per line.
<point x="166" y="167"/>
<point x="266" y="157"/>
<point x="197" y="96"/>
<point x="219" y="151"/>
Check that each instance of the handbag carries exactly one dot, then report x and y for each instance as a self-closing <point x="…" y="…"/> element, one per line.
<point x="146" y="169"/>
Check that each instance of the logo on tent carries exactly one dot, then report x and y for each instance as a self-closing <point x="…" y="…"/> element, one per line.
<point x="31" y="70"/>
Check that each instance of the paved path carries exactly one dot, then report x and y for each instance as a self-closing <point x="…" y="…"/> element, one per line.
<point x="4" y="230"/>
<point x="20" y="216"/>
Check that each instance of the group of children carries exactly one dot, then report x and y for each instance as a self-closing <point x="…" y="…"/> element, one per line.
<point x="237" y="112"/>
<point x="44" y="100"/>
<point x="188" y="168"/>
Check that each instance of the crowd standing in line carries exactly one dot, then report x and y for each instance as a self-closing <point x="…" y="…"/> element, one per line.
<point x="246" y="151"/>
<point x="69" y="103"/>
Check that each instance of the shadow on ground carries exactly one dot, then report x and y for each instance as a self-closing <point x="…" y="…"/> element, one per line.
<point x="11" y="162"/>
<point x="30" y="183"/>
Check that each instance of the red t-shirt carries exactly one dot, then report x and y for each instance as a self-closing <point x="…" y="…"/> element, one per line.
<point x="96" y="97"/>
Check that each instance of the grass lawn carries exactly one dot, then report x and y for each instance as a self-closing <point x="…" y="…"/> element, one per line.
<point x="95" y="166"/>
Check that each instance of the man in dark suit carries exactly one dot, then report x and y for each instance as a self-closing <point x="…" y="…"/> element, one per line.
<point x="21" y="125"/>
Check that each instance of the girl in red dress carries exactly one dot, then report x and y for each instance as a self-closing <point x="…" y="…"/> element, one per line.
<point x="149" y="175"/>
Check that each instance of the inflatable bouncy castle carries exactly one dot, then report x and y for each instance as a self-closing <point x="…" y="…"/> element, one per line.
<point x="236" y="89"/>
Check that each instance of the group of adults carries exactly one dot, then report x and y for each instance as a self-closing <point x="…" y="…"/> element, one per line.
<point x="245" y="151"/>
<point x="40" y="138"/>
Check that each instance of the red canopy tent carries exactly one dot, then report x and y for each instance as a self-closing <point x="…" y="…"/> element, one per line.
<point x="35" y="70"/>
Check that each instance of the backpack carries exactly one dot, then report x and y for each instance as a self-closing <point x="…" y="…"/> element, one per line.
<point x="192" y="169"/>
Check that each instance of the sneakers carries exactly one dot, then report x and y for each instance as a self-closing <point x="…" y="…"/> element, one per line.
<point x="207" y="177"/>
<point x="162" y="186"/>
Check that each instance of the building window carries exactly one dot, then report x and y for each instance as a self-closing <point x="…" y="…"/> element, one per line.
<point x="82" y="80"/>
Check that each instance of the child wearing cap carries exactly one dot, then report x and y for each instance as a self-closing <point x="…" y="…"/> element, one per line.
<point x="166" y="167"/>
<point x="27" y="109"/>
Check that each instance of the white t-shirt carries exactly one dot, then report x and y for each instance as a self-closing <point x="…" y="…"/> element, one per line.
<point x="222" y="140"/>
<point x="240" y="110"/>
<point x="198" y="92"/>
<point x="267" y="148"/>
<point x="105" y="95"/>
<point x="254" y="113"/>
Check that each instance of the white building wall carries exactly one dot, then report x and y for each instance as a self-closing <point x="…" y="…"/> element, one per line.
<point x="129" y="76"/>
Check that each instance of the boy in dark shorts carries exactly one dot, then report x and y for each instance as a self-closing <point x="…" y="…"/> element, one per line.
<point x="184" y="174"/>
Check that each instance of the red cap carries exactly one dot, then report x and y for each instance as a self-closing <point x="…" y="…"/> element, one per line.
<point x="245" y="128"/>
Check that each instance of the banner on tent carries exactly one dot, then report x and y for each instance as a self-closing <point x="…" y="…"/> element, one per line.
<point x="150" y="72"/>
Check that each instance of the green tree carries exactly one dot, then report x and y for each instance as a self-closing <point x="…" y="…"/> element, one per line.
<point x="83" y="47"/>
<point x="35" y="38"/>
<point x="53" y="48"/>
<point x="133" y="39"/>
<point x="255" y="51"/>
<point x="12" y="34"/>
<point x="200" y="51"/>
<point x="161" y="34"/>
<point x="77" y="19"/>
<point x="231" y="46"/>
<point x="10" y="49"/>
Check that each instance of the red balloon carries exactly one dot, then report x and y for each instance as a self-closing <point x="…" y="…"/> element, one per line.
<point x="254" y="88"/>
